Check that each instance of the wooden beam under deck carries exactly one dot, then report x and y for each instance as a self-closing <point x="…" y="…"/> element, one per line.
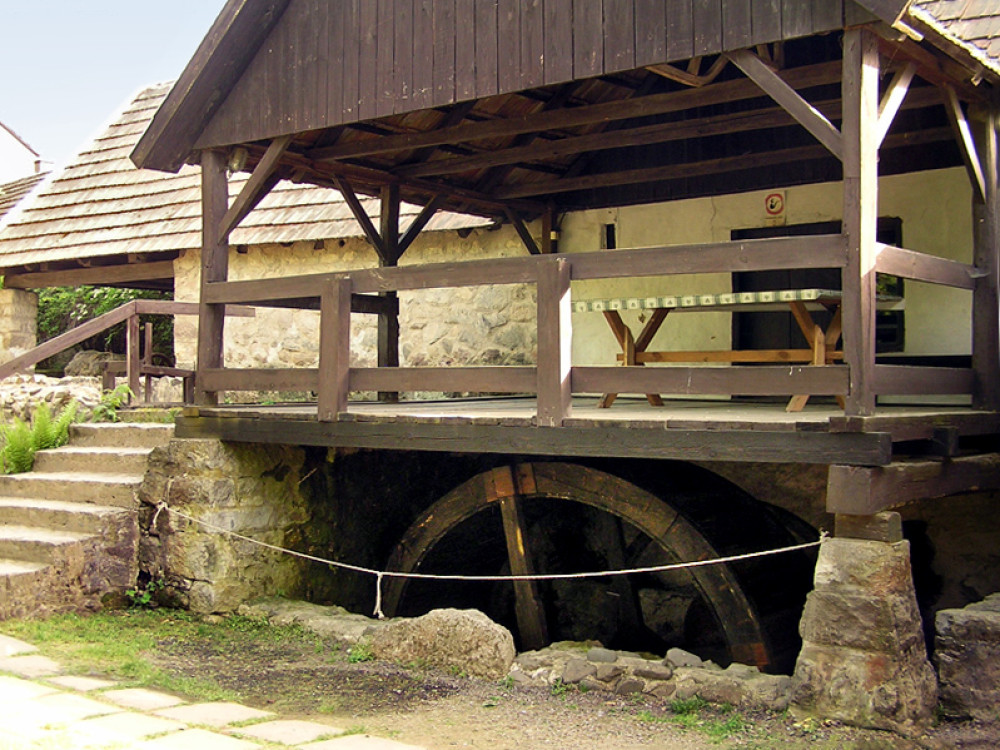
<point x="581" y="438"/>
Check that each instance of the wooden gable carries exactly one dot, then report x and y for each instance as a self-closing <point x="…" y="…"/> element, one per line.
<point x="330" y="63"/>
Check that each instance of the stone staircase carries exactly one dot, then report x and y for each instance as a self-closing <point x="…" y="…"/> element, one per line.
<point x="69" y="529"/>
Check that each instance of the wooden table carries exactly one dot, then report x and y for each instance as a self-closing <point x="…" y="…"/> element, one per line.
<point x="801" y="302"/>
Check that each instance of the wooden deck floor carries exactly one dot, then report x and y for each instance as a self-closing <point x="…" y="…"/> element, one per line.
<point x="681" y="429"/>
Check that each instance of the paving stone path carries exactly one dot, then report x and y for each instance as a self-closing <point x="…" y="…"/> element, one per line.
<point x="41" y="708"/>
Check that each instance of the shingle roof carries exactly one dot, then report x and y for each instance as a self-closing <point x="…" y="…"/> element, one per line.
<point x="974" y="25"/>
<point x="102" y="205"/>
<point x="11" y="193"/>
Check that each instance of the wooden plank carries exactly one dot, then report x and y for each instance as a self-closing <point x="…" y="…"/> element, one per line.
<point x="796" y="19"/>
<point x="509" y="44"/>
<point x="259" y="379"/>
<point x="97" y="275"/>
<point x="619" y="35"/>
<point x="444" y="52"/>
<point x="893" y="98"/>
<point x="905" y="380"/>
<point x="805" y="113"/>
<point x="350" y="74"/>
<point x="423" y="51"/>
<point x="214" y="268"/>
<point x="588" y="38"/>
<point x="716" y="93"/>
<point x="487" y="69"/>
<point x="555" y="335"/>
<point x="864" y="491"/>
<point x="923" y="267"/>
<point x="598" y="441"/>
<point x="889" y="11"/>
<point x="879" y="527"/>
<point x="737" y="28"/>
<point x="765" y="21"/>
<point x="403" y="62"/>
<point x="650" y="32"/>
<point x="707" y="27"/>
<point x="263" y="178"/>
<point x="966" y="142"/>
<point x="860" y="129"/>
<point x="924" y="427"/>
<point x="680" y="29"/>
<point x="767" y="380"/>
<point x="385" y="42"/>
<point x="726" y="355"/>
<point x="532" y="44"/>
<point x="558" y="40"/>
<point x="827" y="15"/>
<point x="334" y="349"/>
<point x="986" y="252"/>
<point x="367" y="59"/>
<point x="522" y="232"/>
<point x="445" y="379"/>
<point x="465" y="50"/>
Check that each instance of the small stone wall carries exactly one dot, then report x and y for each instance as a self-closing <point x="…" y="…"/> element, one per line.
<point x="247" y="489"/>
<point x="968" y="660"/>
<point x="18" y="313"/>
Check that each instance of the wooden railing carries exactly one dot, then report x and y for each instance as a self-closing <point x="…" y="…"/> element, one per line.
<point x="553" y="379"/>
<point x="129" y="314"/>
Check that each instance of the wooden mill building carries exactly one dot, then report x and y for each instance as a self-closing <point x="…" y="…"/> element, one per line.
<point x="606" y="133"/>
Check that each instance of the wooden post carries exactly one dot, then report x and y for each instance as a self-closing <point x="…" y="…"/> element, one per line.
<point x="214" y="267"/>
<point x="388" y="321"/>
<point x="334" y="349"/>
<point x="985" y="306"/>
<point x="132" y="356"/>
<point x="555" y="335"/>
<point x="860" y="139"/>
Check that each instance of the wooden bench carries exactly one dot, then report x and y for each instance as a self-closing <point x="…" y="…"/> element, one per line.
<point x="800" y="302"/>
<point x="144" y="368"/>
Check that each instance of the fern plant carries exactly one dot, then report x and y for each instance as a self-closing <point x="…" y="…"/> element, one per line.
<point x="22" y="440"/>
<point x="18" y="452"/>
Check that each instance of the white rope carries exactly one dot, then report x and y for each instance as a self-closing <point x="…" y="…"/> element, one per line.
<point x="380" y="574"/>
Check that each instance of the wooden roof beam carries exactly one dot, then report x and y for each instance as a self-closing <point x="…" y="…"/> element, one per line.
<point x="362" y="217"/>
<point x="644" y="106"/>
<point x="966" y="142"/>
<point x="263" y="179"/>
<point x="805" y="113"/>
<point x="95" y="275"/>
<point x="893" y="99"/>
<point x="418" y="224"/>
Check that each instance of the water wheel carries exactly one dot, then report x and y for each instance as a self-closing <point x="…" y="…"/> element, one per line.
<point x="560" y="517"/>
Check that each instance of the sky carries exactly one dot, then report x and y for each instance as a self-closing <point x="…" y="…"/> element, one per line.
<point x="69" y="65"/>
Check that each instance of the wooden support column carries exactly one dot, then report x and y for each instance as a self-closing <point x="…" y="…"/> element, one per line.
<point x="334" y="349"/>
<point x="555" y="334"/>
<point x="986" y="238"/>
<point x="388" y="321"/>
<point x="505" y="486"/>
<point x="860" y="130"/>
<point x="132" y="359"/>
<point x="214" y="267"/>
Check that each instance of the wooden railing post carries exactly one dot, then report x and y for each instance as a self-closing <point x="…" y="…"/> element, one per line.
<point x="132" y="356"/>
<point x="985" y="306"/>
<point x="860" y="140"/>
<point x="214" y="267"/>
<point x="555" y="336"/>
<point x="334" y="349"/>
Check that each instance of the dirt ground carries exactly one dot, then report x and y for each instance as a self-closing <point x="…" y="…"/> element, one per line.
<point x="440" y="711"/>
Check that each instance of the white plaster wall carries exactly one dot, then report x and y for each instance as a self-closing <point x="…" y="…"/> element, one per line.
<point x="496" y="324"/>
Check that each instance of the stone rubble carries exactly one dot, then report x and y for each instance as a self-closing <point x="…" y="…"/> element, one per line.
<point x="968" y="659"/>
<point x="20" y="394"/>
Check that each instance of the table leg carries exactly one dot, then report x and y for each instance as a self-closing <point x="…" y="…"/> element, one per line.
<point x="818" y="343"/>
<point x="630" y="346"/>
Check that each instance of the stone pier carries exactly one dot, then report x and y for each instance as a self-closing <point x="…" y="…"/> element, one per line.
<point x="863" y="658"/>
<point x="18" y="320"/>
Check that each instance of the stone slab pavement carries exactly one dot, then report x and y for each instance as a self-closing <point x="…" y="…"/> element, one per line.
<point x="42" y="708"/>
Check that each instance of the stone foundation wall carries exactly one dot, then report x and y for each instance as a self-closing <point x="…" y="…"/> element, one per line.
<point x="18" y="313"/>
<point x="968" y="659"/>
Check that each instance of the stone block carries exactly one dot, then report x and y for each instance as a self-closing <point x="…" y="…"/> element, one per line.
<point x="289" y="732"/>
<point x="602" y="655"/>
<point x="968" y="659"/>
<point x="886" y="624"/>
<point x="219" y="714"/>
<point x="872" y="568"/>
<point x="576" y="670"/>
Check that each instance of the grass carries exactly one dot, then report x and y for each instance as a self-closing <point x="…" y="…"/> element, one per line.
<point x="719" y="723"/>
<point x="119" y="644"/>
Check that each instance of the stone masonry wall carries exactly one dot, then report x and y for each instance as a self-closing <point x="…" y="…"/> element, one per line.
<point x="18" y="312"/>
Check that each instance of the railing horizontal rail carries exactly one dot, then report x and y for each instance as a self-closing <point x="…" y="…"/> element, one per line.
<point x="922" y="267"/>
<point x="260" y="379"/>
<point x="819" y="251"/>
<point x="447" y="379"/>
<point x="768" y="380"/>
<point x="904" y="380"/>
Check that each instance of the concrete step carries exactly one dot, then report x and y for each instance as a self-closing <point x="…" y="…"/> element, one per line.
<point x="120" y="434"/>
<point x="11" y="568"/>
<point x="71" y="458"/>
<point x="101" y="489"/>
<point x="21" y="585"/>
<point x="58" y="515"/>
<point x="33" y="544"/>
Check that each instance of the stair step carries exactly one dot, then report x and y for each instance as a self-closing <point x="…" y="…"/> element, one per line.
<point x="19" y="567"/>
<point x="56" y="514"/>
<point x="71" y="458"/>
<point x="102" y="489"/>
<point x="121" y="434"/>
<point x="34" y="544"/>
